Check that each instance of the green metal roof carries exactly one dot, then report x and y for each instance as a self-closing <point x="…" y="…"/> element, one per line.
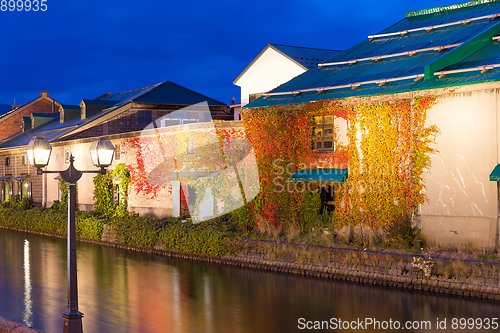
<point x="162" y="93"/>
<point x="447" y="47"/>
<point x="320" y="175"/>
<point x="445" y="8"/>
<point x="306" y="56"/>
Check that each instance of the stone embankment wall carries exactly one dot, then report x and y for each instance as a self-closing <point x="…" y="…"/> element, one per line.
<point x="470" y="278"/>
<point x="410" y="271"/>
<point x="9" y="326"/>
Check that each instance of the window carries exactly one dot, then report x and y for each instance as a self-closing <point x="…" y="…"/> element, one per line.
<point x="116" y="194"/>
<point x="323" y="133"/>
<point x="6" y="161"/>
<point x="25" y="189"/>
<point x="192" y="117"/>
<point x="144" y="116"/>
<point x="165" y="122"/>
<point x="7" y="190"/>
<point x="23" y="159"/>
<point x="117" y="151"/>
<point x="191" y="143"/>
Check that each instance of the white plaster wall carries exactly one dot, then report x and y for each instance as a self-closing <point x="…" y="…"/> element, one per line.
<point x="269" y="71"/>
<point x="341" y="131"/>
<point x="85" y="186"/>
<point x="458" y="187"/>
<point x="56" y="163"/>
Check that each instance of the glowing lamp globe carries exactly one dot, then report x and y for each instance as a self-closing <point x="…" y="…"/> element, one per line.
<point x="102" y="152"/>
<point x="38" y="151"/>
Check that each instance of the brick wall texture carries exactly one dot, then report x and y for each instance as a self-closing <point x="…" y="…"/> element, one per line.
<point x="11" y="125"/>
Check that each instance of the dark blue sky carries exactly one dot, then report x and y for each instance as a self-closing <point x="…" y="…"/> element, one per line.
<point x="83" y="49"/>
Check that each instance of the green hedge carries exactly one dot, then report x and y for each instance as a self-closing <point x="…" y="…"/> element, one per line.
<point x="46" y="220"/>
<point x="202" y="238"/>
<point x="217" y="237"/>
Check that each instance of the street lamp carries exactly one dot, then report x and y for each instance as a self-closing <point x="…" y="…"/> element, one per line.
<point x="102" y="152"/>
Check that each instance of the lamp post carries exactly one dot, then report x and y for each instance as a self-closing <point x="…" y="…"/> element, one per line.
<point x="102" y="152"/>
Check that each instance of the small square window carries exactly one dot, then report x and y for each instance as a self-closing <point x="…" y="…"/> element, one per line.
<point x="117" y="151"/>
<point x="323" y="133"/>
<point x="328" y="132"/>
<point x="318" y="120"/>
<point x="144" y="116"/>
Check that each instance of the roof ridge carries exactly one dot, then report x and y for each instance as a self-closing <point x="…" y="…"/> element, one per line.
<point x="445" y="8"/>
<point x="129" y="91"/>
<point x="178" y="85"/>
<point x="8" y="113"/>
<point x="304" y="47"/>
<point x="48" y="115"/>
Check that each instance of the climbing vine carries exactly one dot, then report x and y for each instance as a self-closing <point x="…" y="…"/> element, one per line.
<point x="63" y="188"/>
<point x="281" y="137"/>
<point x="389" y="148"/>
<point x="159" y="157"/>
<point x="103" y="192"/>
<point x="387" y="151"/>
<point x="121" y="175"/>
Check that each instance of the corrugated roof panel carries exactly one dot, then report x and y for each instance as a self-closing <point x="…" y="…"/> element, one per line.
<point x="444" y="17"/>
<point x="364" y="90"/>
<point x="458" y="79"/>
<point x="389" y="88"/>
<point x="369" y="73"/>
<point x="411" y="42"/>
<point x="359" y="72"/>
<point x="122" y="96"/>
<point x="323" y="77"/>
<point x="487" y="55"/>
<point x="171" y="93"/>
<point x="51" y="130"/>
<point x="308" y="57"/>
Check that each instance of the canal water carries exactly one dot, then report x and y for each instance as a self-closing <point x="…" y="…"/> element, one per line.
<point x="126" y="291"/>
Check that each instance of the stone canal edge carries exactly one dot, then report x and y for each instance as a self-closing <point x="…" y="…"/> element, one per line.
<point x="9" y="326"/>
<point x="396" y="270"/>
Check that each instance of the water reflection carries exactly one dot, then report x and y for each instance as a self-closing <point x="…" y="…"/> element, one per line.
<point x="28" y="302"/>
<point x="122" y="291"/>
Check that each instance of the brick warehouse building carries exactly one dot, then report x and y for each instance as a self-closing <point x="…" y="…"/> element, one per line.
<point x="12" y="122"/>
<point x="74" y="127"/>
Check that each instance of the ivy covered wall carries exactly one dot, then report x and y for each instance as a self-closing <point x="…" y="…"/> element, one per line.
<point x="387" y="151"/>
<point x="158" y="157"/>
